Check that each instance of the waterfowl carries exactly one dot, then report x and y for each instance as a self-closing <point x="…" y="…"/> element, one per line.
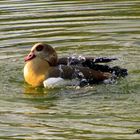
<point x="42" y="65"/>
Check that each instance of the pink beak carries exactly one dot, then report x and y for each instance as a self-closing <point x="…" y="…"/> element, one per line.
<point x="30" y="56"/>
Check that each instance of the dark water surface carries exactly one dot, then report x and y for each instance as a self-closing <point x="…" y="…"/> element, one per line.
<point x="91" y="27"/>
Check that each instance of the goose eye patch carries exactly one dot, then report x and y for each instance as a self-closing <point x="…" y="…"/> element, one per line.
<point x="39" y="48"/>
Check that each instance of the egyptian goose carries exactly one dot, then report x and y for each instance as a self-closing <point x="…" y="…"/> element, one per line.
<point x="42" y="66"/>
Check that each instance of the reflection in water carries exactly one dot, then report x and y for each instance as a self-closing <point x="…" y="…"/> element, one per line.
<point x="99" y="28"/>
<point x="32" y="90"/>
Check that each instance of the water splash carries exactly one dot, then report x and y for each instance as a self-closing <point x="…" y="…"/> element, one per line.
<point x="75" y="60"/>
<point x="61" y="70"/>
<point x="80" y="76"/>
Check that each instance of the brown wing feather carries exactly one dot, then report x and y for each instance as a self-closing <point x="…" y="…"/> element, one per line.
<point x="70" y="72"/>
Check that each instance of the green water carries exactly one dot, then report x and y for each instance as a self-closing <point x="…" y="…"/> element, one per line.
<point x="91" y="28"/>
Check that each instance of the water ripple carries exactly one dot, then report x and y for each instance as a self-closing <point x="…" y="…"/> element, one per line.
<point x="99" y="28"/>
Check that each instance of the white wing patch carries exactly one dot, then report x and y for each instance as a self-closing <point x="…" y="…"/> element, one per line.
<point x="59" y="82"/>
<point x="53" y="82"/>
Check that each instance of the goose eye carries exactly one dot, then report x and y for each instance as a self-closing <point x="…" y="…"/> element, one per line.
<point x="39" y="48"/>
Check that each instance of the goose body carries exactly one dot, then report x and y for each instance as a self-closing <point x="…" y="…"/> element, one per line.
<point x="44" y="67"/>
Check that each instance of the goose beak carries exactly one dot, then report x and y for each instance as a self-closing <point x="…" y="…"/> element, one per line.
<point x="30" y="56"/>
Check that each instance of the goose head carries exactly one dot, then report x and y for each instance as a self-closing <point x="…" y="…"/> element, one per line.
<point x="38" y="61"/>
<point x="44" y="52"/>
